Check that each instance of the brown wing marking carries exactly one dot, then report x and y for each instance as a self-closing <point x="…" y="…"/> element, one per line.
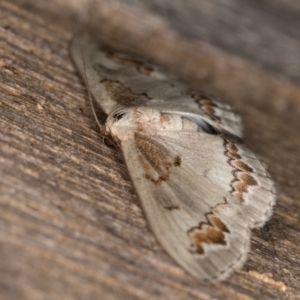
<point x="207" y="106"/>
<point x="128" y="61"/>
<point x="210" y="232"/>
<point x="155" y="156"/>
<point x="123" y="94"/>
<point x="242" y="177"/>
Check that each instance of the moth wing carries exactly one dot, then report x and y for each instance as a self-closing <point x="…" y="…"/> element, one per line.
<point x="116" y="79"/>
<point x="184" y="180"/>
<point x="201" y="109"/>
<point x="88" y="58"/>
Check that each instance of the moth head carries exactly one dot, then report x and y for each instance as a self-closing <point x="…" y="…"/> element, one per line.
<point x="133" y="119"/>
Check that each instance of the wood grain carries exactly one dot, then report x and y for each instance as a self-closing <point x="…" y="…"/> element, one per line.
<point x="70" y="224"/>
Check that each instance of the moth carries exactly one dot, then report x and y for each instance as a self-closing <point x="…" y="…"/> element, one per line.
<point x="201" y="189"/>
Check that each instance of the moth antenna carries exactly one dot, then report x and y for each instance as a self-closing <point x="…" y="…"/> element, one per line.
<point x="102" y="128"/>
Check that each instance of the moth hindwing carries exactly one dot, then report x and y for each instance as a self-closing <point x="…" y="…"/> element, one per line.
<point x="201" y="189"/>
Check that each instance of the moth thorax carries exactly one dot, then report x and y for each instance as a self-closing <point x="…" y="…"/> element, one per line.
<point x="125" y="120"/>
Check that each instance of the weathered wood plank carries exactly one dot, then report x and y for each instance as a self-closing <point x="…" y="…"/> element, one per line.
<point x="70" y="223"/>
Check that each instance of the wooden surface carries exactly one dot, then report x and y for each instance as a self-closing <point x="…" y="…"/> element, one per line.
<point x="70" y="224"/>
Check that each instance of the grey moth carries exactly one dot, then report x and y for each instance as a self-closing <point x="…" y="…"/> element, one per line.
<point x="200" y="188"/>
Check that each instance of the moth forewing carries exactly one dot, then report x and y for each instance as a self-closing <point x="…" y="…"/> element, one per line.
<point x="201" y="236"/>
<point x="86" y="57"/>
<point x="200" y="189"/>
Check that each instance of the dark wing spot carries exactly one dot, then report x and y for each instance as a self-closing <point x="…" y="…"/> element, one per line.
<point x="218" y="223"/>
<point x="118" y="116"/>
<point x="232" y="151"/>
<point x="248" y="179"/>
<point x="171" y="207"/>
<point x="210" y="232"/>
<point x="209" y="129"/>
<point x="242" y="166"/>
<point x="164" y="118"/>
<point x="177" y="161"/>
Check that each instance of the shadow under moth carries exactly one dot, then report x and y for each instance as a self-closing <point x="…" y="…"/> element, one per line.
<point x="200" y="188"/>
